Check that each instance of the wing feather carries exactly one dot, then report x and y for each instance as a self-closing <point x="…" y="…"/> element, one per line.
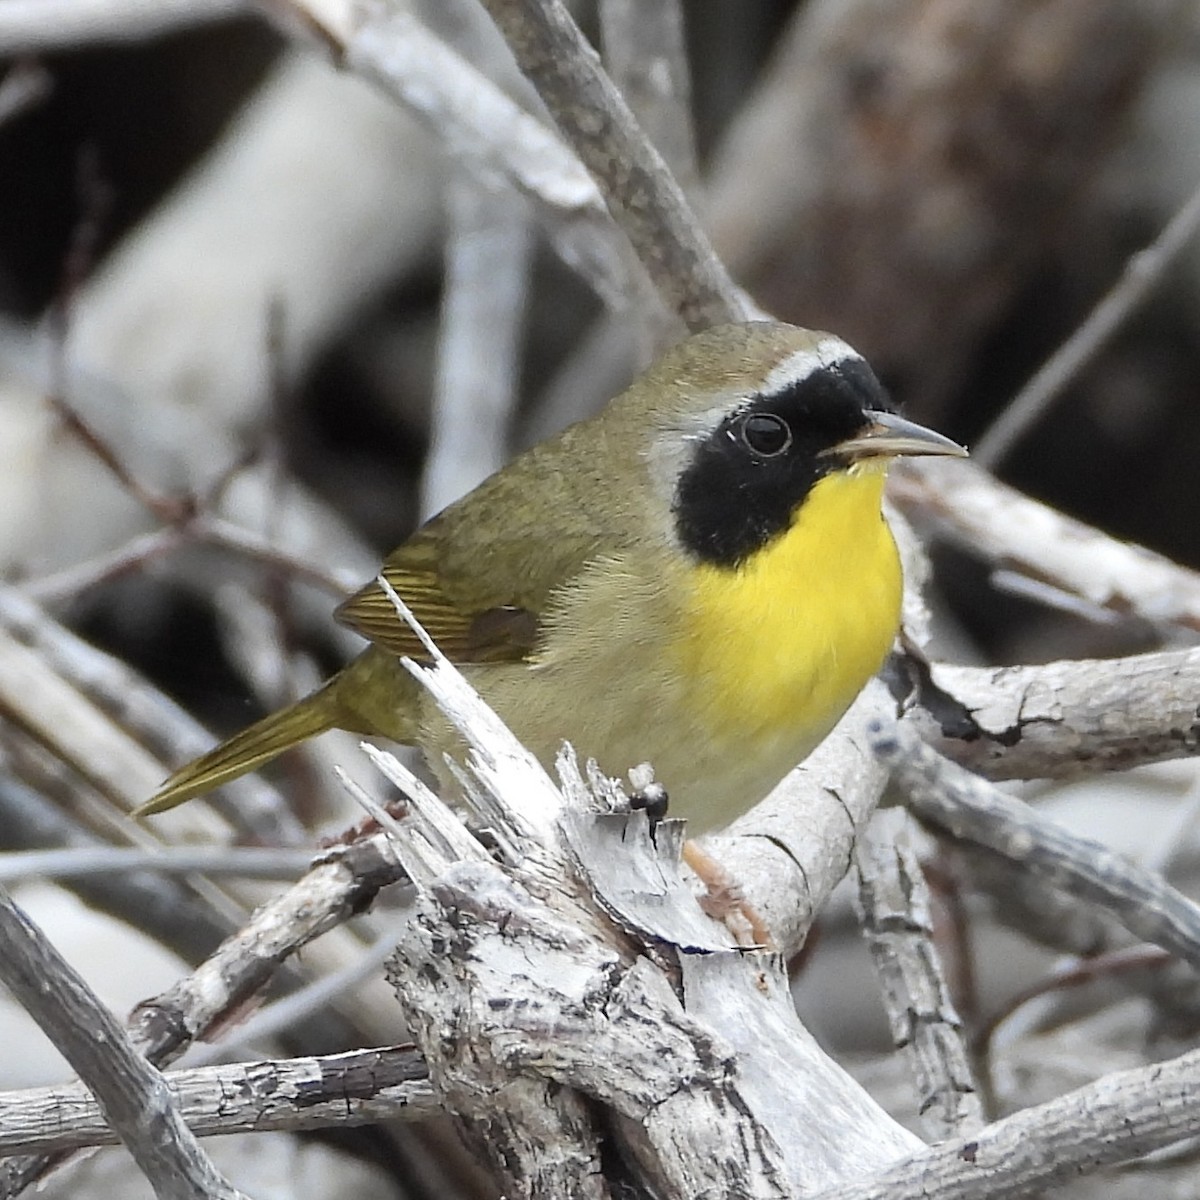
<point x="479" y="576"/>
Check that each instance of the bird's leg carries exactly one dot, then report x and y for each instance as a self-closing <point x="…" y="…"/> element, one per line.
<point x="723" y="899"/>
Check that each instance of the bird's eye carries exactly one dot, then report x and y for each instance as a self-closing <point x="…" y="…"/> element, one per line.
<point x="766" y="434"/>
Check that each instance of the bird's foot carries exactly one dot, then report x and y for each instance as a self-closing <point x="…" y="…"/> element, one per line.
<point x="724" y="902"/>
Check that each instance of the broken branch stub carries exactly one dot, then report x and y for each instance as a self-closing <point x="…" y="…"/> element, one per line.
<point x="582" y="1018"/>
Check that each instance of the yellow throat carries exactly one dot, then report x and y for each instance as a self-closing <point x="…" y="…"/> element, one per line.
<point x="779" y="647"/>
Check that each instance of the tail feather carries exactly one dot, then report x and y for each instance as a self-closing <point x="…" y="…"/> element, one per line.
<point x="245" y="751"/>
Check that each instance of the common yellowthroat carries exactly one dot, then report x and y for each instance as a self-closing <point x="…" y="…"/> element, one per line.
<point x="700" y="577"/>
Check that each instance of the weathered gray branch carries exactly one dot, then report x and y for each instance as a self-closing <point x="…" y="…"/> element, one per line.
<point x="131" y="1093"/>
<point x="354" y="1088"/>
<point x="1062" y="720"/>
<point x="490" y="133"/>
<point x="1120" y="1117"/>
<point x="573" y="968"/>
<point x="989" y="520"/>
<point x="640" y="191"/>
<point x="965" y="806"/>
<point x="161" y="1029"/>
<point x="893" y="906"/>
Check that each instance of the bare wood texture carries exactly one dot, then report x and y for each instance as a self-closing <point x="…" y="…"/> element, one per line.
<point x="135" y="1100"/>
<point x="893" y="904"/>
<point x="791" y="850"/>
<point x="161" y="1029"/>
<point x="336" y="888"/>
<point x="956" y="802"/>
<point x="1119" y="1117"/>
<point x="986" y="518"/>
<point x="904" y="163"/>
<point x="1063" y="720"/>
<point x="355" y="1088"/>
<point x="590" y="1014"/>
<point x="635" y="181"/>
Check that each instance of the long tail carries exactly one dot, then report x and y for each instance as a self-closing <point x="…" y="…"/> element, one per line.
<point x="246" y="751"/>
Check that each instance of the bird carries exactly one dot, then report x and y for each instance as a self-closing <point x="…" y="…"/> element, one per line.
<point x="700" y="577"/>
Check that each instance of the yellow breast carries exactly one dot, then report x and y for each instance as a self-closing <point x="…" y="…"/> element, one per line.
<point x="776" y="650"/>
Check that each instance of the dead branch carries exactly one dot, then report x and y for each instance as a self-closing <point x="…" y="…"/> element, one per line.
<point x="1120" y="1117"/>
<point x="1061" y="720"/>
<point x="637" y="186"/>
<point x="985" y="518"/>
<point x="354" y="1088"/>
<point x="893" y="905"/>
<point x="132" y="1095"/>
<point x="592" y="1014"/>
<point x="338" y="887"/>
<point x="1142" y="274"/>
<point x="490" y="134"/>
<point x="953" y="800"/>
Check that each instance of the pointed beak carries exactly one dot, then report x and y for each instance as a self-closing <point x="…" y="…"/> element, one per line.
<point x="889" y="435"/>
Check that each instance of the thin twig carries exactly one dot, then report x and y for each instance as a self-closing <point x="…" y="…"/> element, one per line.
<point x="335" y="889"/>
<point x="893" y="906"/>
<point x="291" y="1011"/>
<point x="1076" y="973"/>
<point x="637" y="186"/>
<point x="354" y="1088"/>
<point x="79" y="578"/>
<point x="193" y="527"/>
<point x="338" y="887"/>
<point x="186" y="518"/>
<point x="491" y="134"/>
<point x="132" y="1094"/>
<point x="971" y="509"/>
<point x="1120" y="1117"/>
<point x="1143" y="272"/>
<point x="75" y="863"/>
<point x="159" y="906"/>
<point x="967" y="807"/>
<point x="170" y="510"/>
<point x="156" y="722"/>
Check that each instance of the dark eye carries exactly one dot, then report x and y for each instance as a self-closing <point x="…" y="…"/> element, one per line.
<point x="766" y="434"/>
